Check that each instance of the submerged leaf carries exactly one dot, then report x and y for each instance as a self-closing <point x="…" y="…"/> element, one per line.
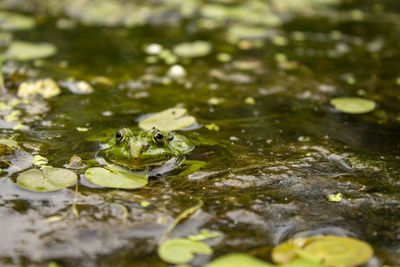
<point x="353" y="105"/>
<point x="238" y="260"/>
<point x="168" y="120"/>
<point x="194" y="49"/>
<point x="47" y="179"/>
<point x="181" y="250"/>
<point x="115" y="179"/>
<point x="25" y="51"/>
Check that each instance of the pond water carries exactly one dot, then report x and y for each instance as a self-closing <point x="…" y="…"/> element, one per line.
<point x="264" y="74"/>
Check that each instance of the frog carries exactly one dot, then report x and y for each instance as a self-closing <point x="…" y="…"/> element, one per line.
<point x="153" y="151"/>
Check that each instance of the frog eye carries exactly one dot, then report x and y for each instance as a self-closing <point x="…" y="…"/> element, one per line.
<point x="120" y="136"/>
<point x="158" y="137"/>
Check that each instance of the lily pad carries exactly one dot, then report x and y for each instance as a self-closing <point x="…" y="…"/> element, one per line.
<point x="194" y="49"/>
<point x="10" y="21"/>
<point x="25" y="51"/>
<point x="168" y="120"/>
<point x="115" y="178"/>
<point x="238" y="260"/>
<point x="353" y="105"/>
<point x="181" y="250"/>
<point x="329" y="250"/>
<point x="339" y="250"/>
<point x="46" y="179"/>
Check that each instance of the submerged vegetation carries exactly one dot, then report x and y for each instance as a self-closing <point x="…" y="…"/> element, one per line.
<point x="199" y="133"/>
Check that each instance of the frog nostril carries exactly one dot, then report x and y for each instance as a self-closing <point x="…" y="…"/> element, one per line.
<point x="145" y="147"/>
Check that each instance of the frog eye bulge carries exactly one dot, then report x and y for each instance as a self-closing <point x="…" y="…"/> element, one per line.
<point x="158" y="137"/>
<point x="120" y="136"/>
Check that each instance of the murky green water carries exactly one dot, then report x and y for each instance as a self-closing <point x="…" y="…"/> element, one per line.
<point x="272" y="164"/>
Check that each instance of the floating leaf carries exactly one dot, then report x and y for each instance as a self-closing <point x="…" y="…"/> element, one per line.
<point x="181" y="250"/>
<point x="47" y="179"/>
<point x="115" y="178"/>
<point x="194" y="49"/>
<point x="12" y="22"/>
<point x="330" y="250"/>
<point x="238" y="260"/>
<point x="339" y="250"/>
<point x="25" y="51"/>
<point x="353" y="105"/>
<point x="168" y="120"/>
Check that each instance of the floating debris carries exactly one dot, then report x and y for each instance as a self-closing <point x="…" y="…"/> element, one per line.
<point x="46" y="88"/>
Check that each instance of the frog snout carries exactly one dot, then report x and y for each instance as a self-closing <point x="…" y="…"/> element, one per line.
<point x="136" y="151"/>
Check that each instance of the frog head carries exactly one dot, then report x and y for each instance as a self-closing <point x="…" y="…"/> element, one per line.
<point x="146" y="149"/>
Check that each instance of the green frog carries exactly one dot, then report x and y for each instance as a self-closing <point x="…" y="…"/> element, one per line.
<point x="154" y="151"/>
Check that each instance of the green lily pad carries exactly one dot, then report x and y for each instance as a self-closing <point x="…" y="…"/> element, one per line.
<point x="329" y="250"/>
<point x="46" y="179"/>
<point x="171" y="119"/>
<point x="25" y="51"/>
<point x="181" y="250"/>
<point x="238" y="260"/>
<point x="10" y="21"/>
<point x="115" y="178"/>
<point x="194" y="49"/>
<point x="353" y="105"/>
<point x="339" y="250"/>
